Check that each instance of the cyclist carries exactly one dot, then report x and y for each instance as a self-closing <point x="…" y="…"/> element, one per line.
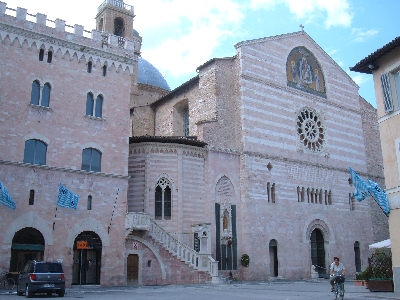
<point x="336" y="268"/>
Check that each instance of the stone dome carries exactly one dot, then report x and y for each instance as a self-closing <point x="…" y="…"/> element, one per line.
<point x="148" y="74"/>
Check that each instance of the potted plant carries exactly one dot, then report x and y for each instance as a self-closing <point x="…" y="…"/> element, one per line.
<point x="362" y="277"/>
<point x="245" y="260"/>
<point x="381" y="279"/>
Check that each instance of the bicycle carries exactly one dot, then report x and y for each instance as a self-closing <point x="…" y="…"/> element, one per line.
<point x="339" y="287"/>
<point x="6" y="282"/>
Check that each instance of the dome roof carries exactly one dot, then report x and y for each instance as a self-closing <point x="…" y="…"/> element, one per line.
<point x="148" y="74"/>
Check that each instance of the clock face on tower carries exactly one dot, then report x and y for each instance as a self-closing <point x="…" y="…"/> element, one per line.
<point x="310" y="129"/>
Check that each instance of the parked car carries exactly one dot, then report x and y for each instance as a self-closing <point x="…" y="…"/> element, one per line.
<point x="41" y="277"/>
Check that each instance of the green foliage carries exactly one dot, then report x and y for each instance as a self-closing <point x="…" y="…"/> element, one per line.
<point x="380" y="263"/>
<point x="245" y="260"/>
<point x="364" y="275"/>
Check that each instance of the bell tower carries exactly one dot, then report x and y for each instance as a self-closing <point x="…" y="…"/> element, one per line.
<point x="115" y="17"/>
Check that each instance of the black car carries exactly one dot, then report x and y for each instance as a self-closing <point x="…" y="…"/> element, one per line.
<point x="41" y="277"/>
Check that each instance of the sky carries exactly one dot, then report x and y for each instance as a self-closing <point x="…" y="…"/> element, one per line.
<point x="180" y="35"/>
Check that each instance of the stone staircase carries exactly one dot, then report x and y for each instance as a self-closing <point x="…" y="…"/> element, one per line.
<point x="197" y="261"/>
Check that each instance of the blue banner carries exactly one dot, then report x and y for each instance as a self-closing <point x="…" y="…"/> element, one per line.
<point x="66" y="198"/>
<point x="380" y="196"/>
<point x="5" y="197"/>
<point x="362" y="188"/>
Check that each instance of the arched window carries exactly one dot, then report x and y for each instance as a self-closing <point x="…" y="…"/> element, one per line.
<point x="119" y="27"/>
<point x="35" y="152"/>
<point x="99" y="106"/>
<point x="91" y="160"/>
<point x="49" y="56"/>
<point x="35" y="93"/>
<point x="41" y="54"/>
<point x="180" y="120"/>
<point x="89" y="104"/>
<point x="100" y="25"/>
<point x="104" y="70"/>
<point x="46" y="95"/>
<point x="163" y="200"/>
<point x="186" y="121"/>
<point x="89" y="202"/>
<point x="89" y="67"/>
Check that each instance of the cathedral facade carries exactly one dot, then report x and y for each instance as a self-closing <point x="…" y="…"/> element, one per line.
<point x="282" y="124"/>
<point x="241" y="172"/>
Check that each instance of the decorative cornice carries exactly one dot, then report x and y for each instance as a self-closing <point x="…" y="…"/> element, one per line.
<point x="154" y="147"/>
<point x="58" y="169"/>
<point x="123" y="60"/>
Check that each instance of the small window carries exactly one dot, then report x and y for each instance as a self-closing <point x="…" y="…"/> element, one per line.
<point x="89" y="104"/>
<point x="89" y="202"/>
<point x="49" y="56"/>
<point x="35" y="152"/>
<point x="35" y="93"/>
<point x="41" y="54"/>
<point x="186" y="121"/>
<point x="91" y="160"/>
<point x="104" y="70"/>
<point x="31" y="197"/>
<point x="99" y="106"/>
<point x="89" y="67"/>
<point x="119" y="29"/>
<point x="387" y="93"/>
<point x="46" y="95"/>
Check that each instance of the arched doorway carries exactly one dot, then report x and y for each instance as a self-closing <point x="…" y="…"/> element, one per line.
<point x="273" y="257"/>
<point x="318" y="252"/>
<point x="132" y="274"/>
<point x="87" y="258"/>
<point x="27" y="244"/>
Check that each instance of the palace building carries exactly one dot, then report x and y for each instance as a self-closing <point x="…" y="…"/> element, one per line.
<point x="242" y="171"/>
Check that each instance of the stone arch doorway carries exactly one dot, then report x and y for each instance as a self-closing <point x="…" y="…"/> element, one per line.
<point x="132" y="269"/>
<point x="273" y="258"/>
<point x="318" y="251"/>
<point x="27" y="244"/>
<point x="87" y="258"/>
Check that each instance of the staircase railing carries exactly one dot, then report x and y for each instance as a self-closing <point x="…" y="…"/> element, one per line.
<point x="202" y="262"/>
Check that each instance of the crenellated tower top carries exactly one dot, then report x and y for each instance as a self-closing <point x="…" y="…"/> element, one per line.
<point x="115" y="17"/>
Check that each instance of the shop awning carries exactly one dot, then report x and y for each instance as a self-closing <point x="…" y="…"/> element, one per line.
<point x="381" y="244"/>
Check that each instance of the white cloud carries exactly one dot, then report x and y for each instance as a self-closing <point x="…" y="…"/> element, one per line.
<point x="198" y="27"/>
<point x="331" y="12"/>
<point x="360" y="78"/>
<point x="362" y="35"/>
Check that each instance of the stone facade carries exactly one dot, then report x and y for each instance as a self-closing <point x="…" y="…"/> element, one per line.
<point x="65" y="127"/>
<point x="249" y="157"/>
<point x="279" y="146"/>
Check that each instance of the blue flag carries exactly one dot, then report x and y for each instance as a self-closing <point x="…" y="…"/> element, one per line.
<point x="66" y="198"/>
<point x="362" y="188"/>
<point x="5" y="197"/>
<point x="380" y="196"/>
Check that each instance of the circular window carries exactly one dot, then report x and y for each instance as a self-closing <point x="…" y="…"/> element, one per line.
<point x="310" y="129"/>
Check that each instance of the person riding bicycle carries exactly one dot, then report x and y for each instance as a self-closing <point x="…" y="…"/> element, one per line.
<point x="336" y="268"/>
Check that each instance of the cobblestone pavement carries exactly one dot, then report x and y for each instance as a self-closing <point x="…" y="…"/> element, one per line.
<point x="274" y="290"/>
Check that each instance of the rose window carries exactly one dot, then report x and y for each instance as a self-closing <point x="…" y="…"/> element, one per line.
<point x="310" y="129"/>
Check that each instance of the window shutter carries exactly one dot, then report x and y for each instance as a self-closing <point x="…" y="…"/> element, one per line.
<point x="387" y="93"/>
